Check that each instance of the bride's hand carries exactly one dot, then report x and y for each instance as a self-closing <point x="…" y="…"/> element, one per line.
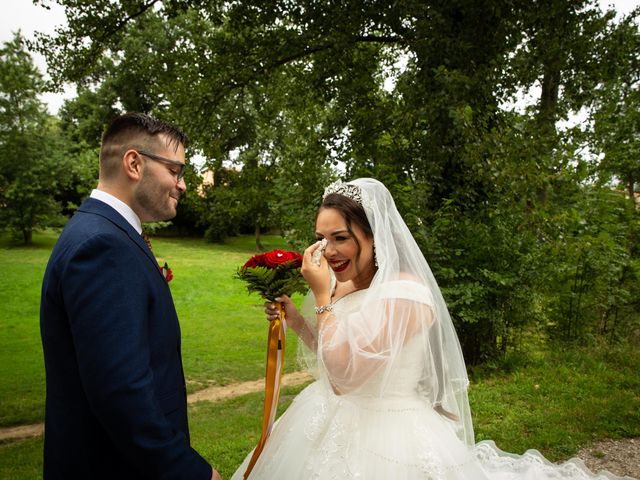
<point x="317" y="276"/>
<point x="294" y="319"/>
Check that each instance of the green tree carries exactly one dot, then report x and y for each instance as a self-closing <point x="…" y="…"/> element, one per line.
<point x="411" y="92"/>
<point x="616" y="114"/>
<point x="32" y="165"/>
<point x="84" y="117"/>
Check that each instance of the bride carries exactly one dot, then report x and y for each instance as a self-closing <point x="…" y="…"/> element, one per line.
<point x="390" y="399"/>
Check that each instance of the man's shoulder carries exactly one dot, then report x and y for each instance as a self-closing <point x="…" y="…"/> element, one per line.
<point x="85" y="225"/>
<point x="95" y="213"/>
<point x="88" y="231"/>
<point x="95" y="217"/>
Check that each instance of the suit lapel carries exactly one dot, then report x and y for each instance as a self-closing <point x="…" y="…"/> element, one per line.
<point x="97" y="207"/>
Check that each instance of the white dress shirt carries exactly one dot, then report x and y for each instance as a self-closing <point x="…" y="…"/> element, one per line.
<point x="120" y="207"/>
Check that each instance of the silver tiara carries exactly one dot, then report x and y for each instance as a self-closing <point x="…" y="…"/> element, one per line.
<point x="349" y="190"/>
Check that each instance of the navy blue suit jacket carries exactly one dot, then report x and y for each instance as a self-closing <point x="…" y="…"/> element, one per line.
<point x="116" y="397"/>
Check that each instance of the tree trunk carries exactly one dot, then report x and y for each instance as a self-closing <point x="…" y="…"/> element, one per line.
<point x="259" y="246"/>
<point x="547" y="116"/>
<point x="630" y="189"/>
<point x="27" y="236"/>
<point x="547" y="113"/>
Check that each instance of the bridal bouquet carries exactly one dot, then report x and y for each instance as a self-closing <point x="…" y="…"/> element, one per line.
<point x="273" y="273"/>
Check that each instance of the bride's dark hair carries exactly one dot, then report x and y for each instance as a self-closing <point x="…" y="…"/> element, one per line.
<point x="351" y="211"/>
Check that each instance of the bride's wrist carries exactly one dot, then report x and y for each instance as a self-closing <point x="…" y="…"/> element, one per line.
<point x="323" y="299"/>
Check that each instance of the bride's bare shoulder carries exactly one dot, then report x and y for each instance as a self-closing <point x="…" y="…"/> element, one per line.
<point x="409" y="276"/>
<point x="409" y="287"/>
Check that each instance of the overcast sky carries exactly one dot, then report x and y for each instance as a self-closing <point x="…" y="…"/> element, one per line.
<point x="25" y="16"/>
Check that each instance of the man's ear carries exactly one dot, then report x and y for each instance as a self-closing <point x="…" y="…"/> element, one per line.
<point x="132" y="164"/>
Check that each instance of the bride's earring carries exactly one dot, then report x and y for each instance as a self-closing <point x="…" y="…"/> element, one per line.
<point x="375" y="257"/>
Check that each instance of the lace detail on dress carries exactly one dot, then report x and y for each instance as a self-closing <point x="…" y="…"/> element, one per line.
<point x="429" y="463"/>
<point x="331" y="459"/>
<point x="493" y="459"/>
<point x="314" y="428"/>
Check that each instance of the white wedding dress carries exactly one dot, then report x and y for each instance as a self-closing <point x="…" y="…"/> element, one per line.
<point x="399" y="436"/>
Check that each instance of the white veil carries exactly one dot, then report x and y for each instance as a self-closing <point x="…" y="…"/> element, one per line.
<point x="403" y="304"/>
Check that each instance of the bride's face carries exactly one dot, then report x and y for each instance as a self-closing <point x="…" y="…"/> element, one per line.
<point x="349" y="251"/>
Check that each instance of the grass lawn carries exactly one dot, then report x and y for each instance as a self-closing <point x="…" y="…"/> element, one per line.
<point x="556" y="399"/>
<point x="21" y="362"/>
<point x="224" y="331"/>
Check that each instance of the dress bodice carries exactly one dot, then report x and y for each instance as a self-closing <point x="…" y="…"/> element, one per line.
<point x="401" y="377"/>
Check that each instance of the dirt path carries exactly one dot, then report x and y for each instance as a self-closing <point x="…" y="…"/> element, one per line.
<point x="216" y="393"/>
<point x="23" y="431"/>
<point x="621" y="457"/>
<point x="211" y="394"/>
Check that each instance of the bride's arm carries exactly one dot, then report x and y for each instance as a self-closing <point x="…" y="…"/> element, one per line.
<point x="350" y="362"/>
<point x="355" y="348"/>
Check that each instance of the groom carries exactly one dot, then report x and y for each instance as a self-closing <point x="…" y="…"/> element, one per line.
<point x="116" y="397"/>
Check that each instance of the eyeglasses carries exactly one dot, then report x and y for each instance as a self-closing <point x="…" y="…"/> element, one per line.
<point x="174" y="163"/>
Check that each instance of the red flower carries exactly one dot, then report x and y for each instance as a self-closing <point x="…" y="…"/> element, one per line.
<point x="255" y="261"/>
<point x="274" y="259"/>
<point x="273" y="273"/>
<point x="279" y="257"/>
<point x="167" y="273"/>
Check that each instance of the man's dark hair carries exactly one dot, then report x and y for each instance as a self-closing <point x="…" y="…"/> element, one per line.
<point x="143" y="124"/>
<point x="137" y="131"/>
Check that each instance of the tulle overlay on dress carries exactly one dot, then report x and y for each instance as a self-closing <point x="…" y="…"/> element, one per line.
<point x="324" y="436"/>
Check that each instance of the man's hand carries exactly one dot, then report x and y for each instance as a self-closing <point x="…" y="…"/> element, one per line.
<point x="215" y="475"/>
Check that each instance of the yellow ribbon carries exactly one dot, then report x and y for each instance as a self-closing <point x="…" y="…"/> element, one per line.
<point x="275" y="363"/>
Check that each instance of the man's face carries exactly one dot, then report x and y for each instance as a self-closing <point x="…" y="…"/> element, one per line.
<point x="156" y="195"/>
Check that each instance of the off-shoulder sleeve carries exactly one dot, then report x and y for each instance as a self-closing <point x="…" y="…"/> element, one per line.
<point x="355" y="346"/>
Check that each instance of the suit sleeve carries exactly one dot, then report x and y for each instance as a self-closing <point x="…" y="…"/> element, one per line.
<point x="107" y="291"/>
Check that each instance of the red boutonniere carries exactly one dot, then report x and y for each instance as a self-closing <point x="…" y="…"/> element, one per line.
<point x="167" y="273"/>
